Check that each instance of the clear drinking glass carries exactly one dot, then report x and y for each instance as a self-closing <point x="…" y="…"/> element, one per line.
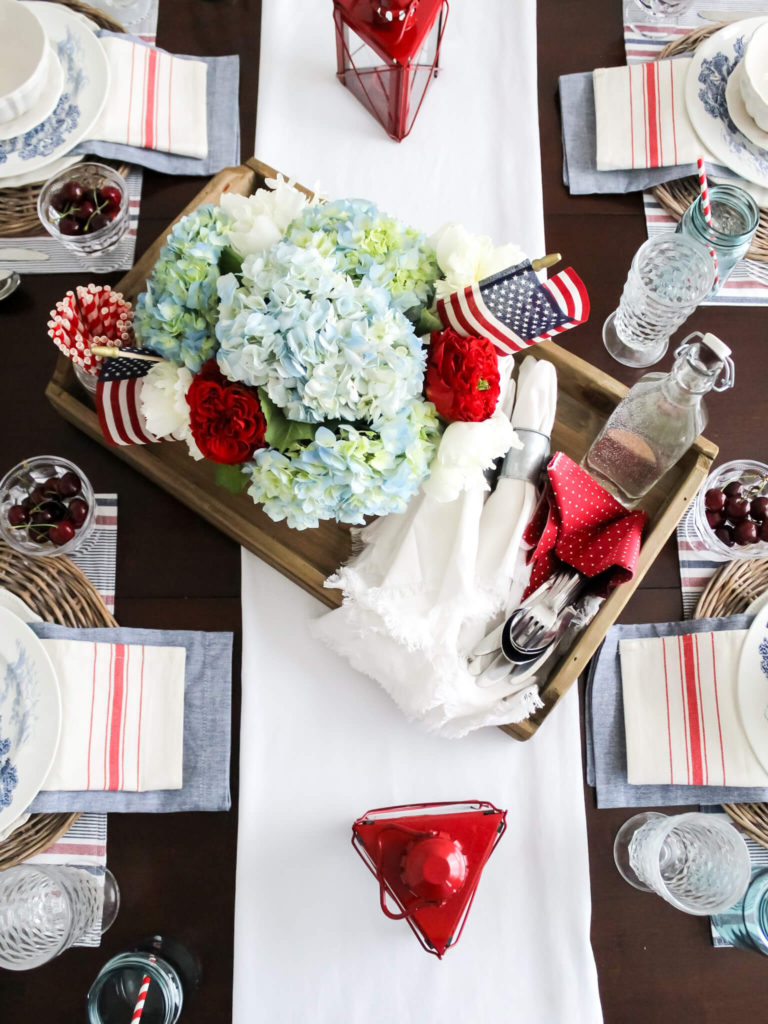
<point x="669" y="276"/>
<point x="44" y="910"/>
<point x="173" y="974"/>
<point x="697" y="862"/>
<point x="745" y="924"/>
<point x="735" y="216"/>
<point x="655" y="12"/>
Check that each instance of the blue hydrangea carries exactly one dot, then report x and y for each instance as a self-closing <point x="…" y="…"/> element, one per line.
<point x="371" y="246"/>
<point x="348" y="473"/>
<point x="176" y="315"/>
<point x="323" y="346"/>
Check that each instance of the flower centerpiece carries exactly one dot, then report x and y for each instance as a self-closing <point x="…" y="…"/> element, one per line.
<point x="301" y="350"/>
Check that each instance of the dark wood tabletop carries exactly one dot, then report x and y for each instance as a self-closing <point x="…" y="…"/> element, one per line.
<point x="177" y="874"/>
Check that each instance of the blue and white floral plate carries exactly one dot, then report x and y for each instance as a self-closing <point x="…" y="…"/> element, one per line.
<point x="30" y="716"/>
<point x="752" y="685"/>
<point x="86" y="85"/>
<point x="711" y="66"/>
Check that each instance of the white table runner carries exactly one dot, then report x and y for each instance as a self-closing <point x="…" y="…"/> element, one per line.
<point x="321" y="744"/>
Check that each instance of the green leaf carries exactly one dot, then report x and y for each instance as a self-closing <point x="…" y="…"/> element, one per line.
<point x="282" y="432"/>
<point x="231" y="478"/>
<point x="428" y="322"/>
<point x="230" y="262"/>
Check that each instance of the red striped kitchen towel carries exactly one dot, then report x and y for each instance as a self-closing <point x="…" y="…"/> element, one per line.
<point x="680" y="711"/>
<point x="641" y="116"/>
<point x="122" y="716"/>
<point x="155" y="100"/>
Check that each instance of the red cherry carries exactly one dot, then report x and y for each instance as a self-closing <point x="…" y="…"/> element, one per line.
<point x="762" y="530"/>
<point x="51" y="487"/>
<point x="714" y="519"/>
<point x="736" y="508"/>
<point x="37" y="495"/>
<point x="714" y="500"/>
<point x="111" y="196"/>
<point x="62" y="533"/>
<point x="725" y="534"/>
<point x="59" y="201"/>
<point x="745" y="532"/>
<point x="39" y="534"/>
<point x="85" y="210"/>
<point x="733" y="489"/>
<point x="18" y="515"/>
<point x="69" y="484"/>
<point x="41" y="517"/>
<point x="758" y="509"/>
<point x="70" y="226"/>
<point x="77" y="512"/>
<point x="97" y="222"/>
<point x="72" y="191"/>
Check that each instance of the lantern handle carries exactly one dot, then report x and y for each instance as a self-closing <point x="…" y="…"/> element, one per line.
<point x="416" y="834"/>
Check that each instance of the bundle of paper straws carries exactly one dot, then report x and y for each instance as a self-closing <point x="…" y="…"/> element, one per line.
<point x="91" y="315"/>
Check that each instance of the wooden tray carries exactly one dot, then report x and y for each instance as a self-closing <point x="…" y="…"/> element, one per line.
<point x="586" y="397"/>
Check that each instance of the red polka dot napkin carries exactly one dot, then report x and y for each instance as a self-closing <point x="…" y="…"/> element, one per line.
<point x="580" y="524"/>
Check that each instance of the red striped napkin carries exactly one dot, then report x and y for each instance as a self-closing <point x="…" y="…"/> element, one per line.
<point x="122" y="716"/>
<point x="680" y="712"/>
<point x="156" y="101"/>
<point x="641" y="116"/>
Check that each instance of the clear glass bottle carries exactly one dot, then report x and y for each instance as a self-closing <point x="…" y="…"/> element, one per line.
<point x="659" y="419"/>
<point x="735" y="216"/>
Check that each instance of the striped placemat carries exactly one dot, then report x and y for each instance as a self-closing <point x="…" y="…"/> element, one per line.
<point x="696" y="566"/>
<point x="747" y="285"/>
<point x="85" y="844"/>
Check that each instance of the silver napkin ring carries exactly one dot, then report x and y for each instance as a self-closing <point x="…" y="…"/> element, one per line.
<point x="526" y="463"/>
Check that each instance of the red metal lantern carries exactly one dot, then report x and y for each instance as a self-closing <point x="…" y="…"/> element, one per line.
<point x="387" y="52"/>
<point x="428" y="859"/>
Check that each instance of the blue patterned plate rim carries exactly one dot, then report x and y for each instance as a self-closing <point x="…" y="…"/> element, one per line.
<point x="752" y="686"/>
<point x="30" y="716"/>
<point x="712" y="63"/>
<point x="86" y="87"/>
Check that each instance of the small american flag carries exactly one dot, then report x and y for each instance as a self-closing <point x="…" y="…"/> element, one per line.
<point x="514" y="309"/>
<point x="117" y="400"/>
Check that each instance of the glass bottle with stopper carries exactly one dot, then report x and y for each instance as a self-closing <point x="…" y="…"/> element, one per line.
<point x="659" y="419"/>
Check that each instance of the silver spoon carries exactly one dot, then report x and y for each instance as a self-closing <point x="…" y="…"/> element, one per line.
<point x="9" y="282"/>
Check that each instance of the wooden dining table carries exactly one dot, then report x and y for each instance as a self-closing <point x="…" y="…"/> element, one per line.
<point x="174" y="570"/>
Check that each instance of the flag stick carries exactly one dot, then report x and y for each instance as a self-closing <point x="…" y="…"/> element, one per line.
<point x="546" y="261"/>
<point x="112" y="352"/>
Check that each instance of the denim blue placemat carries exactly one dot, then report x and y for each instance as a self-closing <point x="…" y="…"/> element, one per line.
<point x="207" y="724"/>
<point x="223" y="115"/>
<point x="604" y="720"/>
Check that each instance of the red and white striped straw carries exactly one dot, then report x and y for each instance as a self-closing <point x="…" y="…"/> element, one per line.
<point x="706" y="208"/>
<point x="139" y="1007"/>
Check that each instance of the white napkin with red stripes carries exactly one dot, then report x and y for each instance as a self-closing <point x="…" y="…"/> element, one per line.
<point x="641" y="116"/>
<point x="156" y="101"/>
<point x="680" y="711"/>
<point x="122" y="716"/>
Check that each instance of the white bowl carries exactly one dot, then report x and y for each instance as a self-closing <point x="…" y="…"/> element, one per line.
<point x="24" y="57"/>
<point x="754" y="77"/>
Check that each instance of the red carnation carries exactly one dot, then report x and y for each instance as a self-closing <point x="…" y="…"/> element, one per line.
<point x="225" y="417"/>
<point x="462" y="376"/>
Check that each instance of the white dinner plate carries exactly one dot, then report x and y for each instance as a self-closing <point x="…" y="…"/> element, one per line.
<point x="712" y="64"/>
<point x="30" y="716"/>
<point x="86" y="84"/>
<point x="12" y="603"/>
<point x="43" y="174"/>
<point x="752" y="686"/>
<point x="43" y="105"/>
<point x="738" y="110"/>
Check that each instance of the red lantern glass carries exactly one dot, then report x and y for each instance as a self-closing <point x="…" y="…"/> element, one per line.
<point x="387" y="53"/>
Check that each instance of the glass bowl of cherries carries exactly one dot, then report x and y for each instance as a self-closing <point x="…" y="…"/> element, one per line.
<point x="730" y="513"/>
<point x="85" y="208"/>
<point x="46" y="507"/>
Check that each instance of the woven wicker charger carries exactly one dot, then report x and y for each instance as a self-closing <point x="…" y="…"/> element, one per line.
<point x="57" y="590"/>
<point x="677" y="196"/>
<point x="18" y="206"/>
<point x="729" y="592"/>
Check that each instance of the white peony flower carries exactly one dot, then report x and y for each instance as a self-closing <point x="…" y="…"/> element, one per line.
<point x="262" y="219"/>
<point x="466" y="450"/>
<point x="163" y="401"/>
<point x="465" y="258"/>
